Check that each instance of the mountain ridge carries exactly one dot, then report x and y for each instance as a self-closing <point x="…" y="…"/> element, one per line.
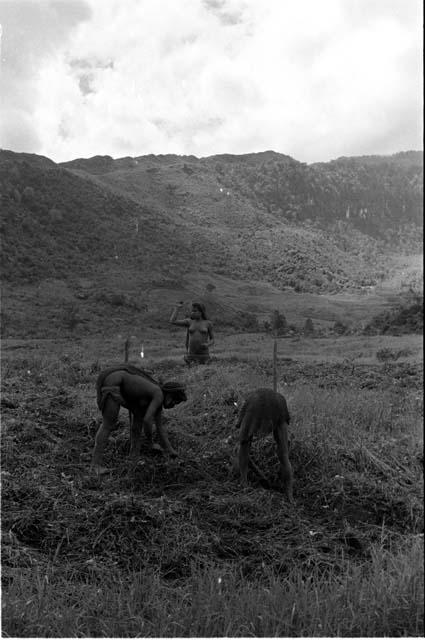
<point x="370" y="191"/>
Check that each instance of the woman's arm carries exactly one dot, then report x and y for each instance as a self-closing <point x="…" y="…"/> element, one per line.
<point x="178" y="323"/>
<point x="163" y="436"/>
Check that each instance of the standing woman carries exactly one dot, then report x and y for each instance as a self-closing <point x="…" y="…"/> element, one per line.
<point x="199" y="333"/>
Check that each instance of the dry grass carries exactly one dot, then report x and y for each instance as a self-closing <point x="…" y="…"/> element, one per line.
<point x="383" y="598"/>
<point x="178" y="548"/>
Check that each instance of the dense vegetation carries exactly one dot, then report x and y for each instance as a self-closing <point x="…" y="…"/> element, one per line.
<point x="55" y="224"/>
<point x="381" y="196"/>
<point x="98" y="237"/>
<point x="261" y="216"/>
<point x="404" y="318"/>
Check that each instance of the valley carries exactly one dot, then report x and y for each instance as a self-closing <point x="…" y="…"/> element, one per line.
<point x="103" y="240"/>
<point x="97" y="251"/>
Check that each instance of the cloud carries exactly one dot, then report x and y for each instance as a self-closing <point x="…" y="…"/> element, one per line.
<point x="32" y="34"/>
<point x="314" y="80"/>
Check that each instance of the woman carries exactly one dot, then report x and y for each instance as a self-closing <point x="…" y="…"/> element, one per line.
<point x="199" y="333"/>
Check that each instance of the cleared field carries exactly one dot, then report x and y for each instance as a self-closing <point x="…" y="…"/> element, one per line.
<point x="177" y="548"/>
<point x="359" y="349"/>
<point x="160" y="345"/>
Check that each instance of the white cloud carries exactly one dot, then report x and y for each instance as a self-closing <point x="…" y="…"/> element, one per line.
<point x="32" y="33"/>
<point x="311" y="79"/>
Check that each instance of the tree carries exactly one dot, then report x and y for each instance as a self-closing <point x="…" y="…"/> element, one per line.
<point x="71" y="316"/>
<point x="308" y="327"/>
<point x="278" y="322"/>
<point x="340" y="328"/>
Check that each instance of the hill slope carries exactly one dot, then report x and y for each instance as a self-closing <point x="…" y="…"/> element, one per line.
<point x="378" y="195"/>
<point x="110" y="231"/>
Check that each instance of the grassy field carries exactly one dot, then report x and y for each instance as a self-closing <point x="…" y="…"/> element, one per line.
<point x="113" y="301"/>
<point x="178" y="548"/>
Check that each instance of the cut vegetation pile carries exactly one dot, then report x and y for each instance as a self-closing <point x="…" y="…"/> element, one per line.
<point x="147" y="553"/>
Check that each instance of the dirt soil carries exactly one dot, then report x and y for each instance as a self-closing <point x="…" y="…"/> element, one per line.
<point x="173" y="513"/>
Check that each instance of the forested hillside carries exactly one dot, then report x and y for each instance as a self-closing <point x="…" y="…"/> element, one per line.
<point x="55" y="224"/>
<point x="129" y="226"/>
<point x="380" y="196"/>
<point x="158" y="213"/>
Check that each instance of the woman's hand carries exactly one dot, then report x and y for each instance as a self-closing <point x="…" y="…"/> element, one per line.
<point x="175" y="311"/>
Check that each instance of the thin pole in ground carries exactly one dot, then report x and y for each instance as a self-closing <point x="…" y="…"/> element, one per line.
<point x="126" y="349"/>
<point x="275" y="328"/>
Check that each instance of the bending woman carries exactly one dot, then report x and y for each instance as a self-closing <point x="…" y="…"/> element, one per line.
<point x="199" y="333"/>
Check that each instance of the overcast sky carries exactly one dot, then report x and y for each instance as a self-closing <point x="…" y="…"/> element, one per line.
<point x="314" y="79"/>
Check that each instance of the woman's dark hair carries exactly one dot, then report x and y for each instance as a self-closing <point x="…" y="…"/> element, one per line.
<point x="201" y="308"/>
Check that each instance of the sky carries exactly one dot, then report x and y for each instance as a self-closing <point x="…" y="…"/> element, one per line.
<point x="313" y="79"/>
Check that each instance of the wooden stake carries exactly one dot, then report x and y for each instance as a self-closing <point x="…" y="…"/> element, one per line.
<point x="126" y="349"/>
<point x="275" y="328"/>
